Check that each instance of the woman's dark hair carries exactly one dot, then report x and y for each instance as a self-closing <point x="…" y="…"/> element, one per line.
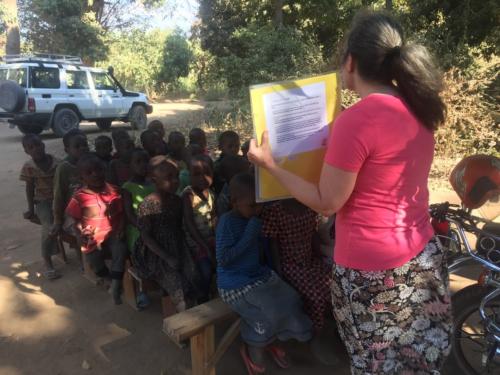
<point x="377" y="45"/>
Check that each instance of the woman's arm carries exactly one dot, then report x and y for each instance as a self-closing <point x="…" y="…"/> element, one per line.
<point x="335" y="185"/>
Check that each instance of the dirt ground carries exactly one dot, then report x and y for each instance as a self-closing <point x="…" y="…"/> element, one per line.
<point x="69" y="326"/>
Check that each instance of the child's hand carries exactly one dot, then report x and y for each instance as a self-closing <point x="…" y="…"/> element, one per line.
<point x="56" y="230"/>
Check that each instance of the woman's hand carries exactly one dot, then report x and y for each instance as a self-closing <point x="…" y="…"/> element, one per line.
<point x="261" y="155"/>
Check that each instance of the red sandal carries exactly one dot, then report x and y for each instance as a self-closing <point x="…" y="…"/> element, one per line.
<point x="252" y="368"/>
<point x="278" y="355"/>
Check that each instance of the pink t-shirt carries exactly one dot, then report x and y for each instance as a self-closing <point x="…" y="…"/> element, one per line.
<point x="385" y="222"/>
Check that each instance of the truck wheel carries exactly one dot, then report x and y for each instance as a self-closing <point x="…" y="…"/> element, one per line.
<point x="65" y="119"/>
<point x="30" y="129"/>
<point x="12" y="96"/>
<point x="104" y="124"/>
<point x="138" y="118"/>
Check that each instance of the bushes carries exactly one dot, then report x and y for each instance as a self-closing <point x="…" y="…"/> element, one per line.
<point x="472" y="101"/>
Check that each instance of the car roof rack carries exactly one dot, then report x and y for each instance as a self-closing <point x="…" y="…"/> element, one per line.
<point x="42" y="57"/>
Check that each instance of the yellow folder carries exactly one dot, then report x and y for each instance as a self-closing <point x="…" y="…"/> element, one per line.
<point x="298" y="115"/>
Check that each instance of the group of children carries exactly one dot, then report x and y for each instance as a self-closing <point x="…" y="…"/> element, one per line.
<point x="185" y="221"/>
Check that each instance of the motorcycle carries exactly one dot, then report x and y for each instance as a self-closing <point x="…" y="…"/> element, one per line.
<point x="476" y="308"/>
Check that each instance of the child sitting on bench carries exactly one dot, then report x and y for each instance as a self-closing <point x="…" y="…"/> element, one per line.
<point x="161" y="253"/>
<point x="269" y="308"/>
<point x="97" y="212"/>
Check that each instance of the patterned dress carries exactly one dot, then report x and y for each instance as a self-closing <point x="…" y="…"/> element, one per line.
<point x="163" y="220"/>
<point x="396" y="321"/>
<point x="301" y="268"/>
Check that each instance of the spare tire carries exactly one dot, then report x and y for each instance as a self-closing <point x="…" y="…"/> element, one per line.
<point x="12" y="96"/>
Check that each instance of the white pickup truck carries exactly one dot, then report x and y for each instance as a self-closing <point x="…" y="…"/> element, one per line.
<point x="43" y="91"/>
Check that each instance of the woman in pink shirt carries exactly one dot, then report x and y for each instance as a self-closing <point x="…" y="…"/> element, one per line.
<point x="390" y="290"/>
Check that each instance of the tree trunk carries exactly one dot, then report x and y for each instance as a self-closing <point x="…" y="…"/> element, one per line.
<point x="388" y="4"/>
<point x="13" y="39"/>
<point x="278" y="13"/>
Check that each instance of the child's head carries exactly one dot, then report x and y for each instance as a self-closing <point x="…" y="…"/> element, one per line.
<point x="244" y="148"/>
<point x="229" y="143"/>
<point x="34" y="146"/>
<point x="232" y="165"/>
<point x="198" y="137"/>
<point x="176" y="144"/>
<point x="103" y="146"/>
<point x="139" y="160"/>
<point x="157" y="126"/>
<point x="201" y="172"/>
<point x="75" y="144"/>
<point x="123" y="148"/>
<point x="242" y="190"/>
<point x="117" y="134"/>
<point x="152" y="143"/>
<point x="92" y="171"/>
<point x="164" y="174"/>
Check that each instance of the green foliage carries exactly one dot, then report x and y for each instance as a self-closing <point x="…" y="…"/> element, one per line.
<point x="137" y="58"/>
<point x="62" y="26"/>
<point x="267" y="54"/>
<point x="458" y="31"/>
<point x="3" y="19"/>
<point x="176" y="59"/>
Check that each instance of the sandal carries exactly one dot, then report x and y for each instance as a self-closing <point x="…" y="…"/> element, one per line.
<point x="279" y="356"/>
<point x="252" y="368"/>
<point x="51" y="274"/>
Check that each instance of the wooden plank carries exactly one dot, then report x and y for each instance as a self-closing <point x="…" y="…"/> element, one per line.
<point x="129" y="287"/>
<point x="224" y="344"/>
<point x="182" y="326"/>
<point x="167" y="307"/>
<point x="202" y="348"/>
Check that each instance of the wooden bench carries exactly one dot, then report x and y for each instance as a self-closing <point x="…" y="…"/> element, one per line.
<point x="198" y="325"/>
<point x="133" y="284"/>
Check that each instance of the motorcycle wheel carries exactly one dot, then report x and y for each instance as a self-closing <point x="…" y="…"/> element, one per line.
<point x="469" y="339"/>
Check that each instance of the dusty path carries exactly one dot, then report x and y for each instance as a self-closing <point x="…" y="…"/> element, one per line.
<point x="51" y="328"/>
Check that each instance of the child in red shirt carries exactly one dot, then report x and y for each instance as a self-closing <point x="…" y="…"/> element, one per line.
<point x="97" y="211"/>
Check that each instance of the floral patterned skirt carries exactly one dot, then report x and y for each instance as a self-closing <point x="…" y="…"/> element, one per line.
<point x="396" y="321"/>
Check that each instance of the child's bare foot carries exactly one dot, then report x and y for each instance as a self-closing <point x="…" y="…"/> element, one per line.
<point x="278" y="355"/>
<point x="252" y="367"/>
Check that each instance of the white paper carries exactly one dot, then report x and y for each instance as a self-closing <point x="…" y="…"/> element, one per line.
<point x="296" y="119"/>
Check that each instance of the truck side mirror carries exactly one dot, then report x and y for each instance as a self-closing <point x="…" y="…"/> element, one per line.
<point x="111" y="70"/>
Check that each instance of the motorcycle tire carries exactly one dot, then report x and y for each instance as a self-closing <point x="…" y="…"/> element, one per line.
<point x="465" y="303"/>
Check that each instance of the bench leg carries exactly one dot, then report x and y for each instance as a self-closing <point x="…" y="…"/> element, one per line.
<point x="202" y="350"/>
<point x="129" y="287"/>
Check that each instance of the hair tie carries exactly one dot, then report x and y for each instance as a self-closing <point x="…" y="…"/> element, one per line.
<point x="394" y="52"/>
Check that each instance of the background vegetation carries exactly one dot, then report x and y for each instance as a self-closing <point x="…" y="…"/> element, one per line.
<point x="236" y="43"/>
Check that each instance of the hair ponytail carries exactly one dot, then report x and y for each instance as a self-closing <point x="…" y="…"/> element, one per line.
<point x="376" y="42"/>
